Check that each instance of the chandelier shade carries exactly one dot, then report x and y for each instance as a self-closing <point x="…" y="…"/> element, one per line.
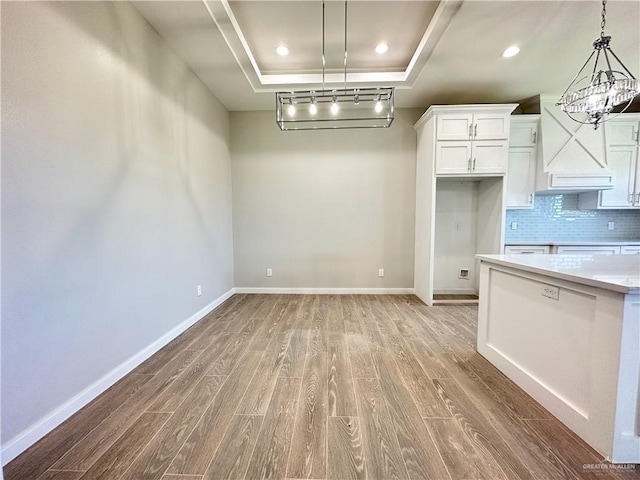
<point x="591" y="97"/>
<point x="335" y="109"/>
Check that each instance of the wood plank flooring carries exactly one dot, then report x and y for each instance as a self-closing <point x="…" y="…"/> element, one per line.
<point x="320" y="387"/>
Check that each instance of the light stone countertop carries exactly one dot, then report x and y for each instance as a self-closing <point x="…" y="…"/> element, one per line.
<point x="582" y="243"/>
<point x="618" y="273"/>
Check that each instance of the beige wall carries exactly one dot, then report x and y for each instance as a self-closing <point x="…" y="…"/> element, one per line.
<point x="323" y="209"/>
<point x="116" y="200"/>
<point x="455" y="235"/>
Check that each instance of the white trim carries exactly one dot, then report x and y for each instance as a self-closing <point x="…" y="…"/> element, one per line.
<point x="31" y="435"/>
<point x="223" y="17"/>
<point x="461" y="291"/>
<point x="329" y="291"/>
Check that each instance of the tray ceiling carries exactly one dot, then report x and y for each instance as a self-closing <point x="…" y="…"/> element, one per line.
<point x="439" y="52"/>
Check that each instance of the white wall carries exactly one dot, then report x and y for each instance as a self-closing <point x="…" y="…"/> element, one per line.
<point x="455" y="235"/>
<point x="116" y="200"/>
<point x="323" y="209"/>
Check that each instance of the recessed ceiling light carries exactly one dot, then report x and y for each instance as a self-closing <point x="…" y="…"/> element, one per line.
<point x="282" y="51"/>
<point x="382" y="48"/>
<point x="511" y="51"/>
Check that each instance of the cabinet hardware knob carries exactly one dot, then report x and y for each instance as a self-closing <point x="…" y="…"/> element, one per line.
<point x="469" y="165"/>
<point x="475" y="130"/>
<point x="535" y="135"/>
<point x="474" y="164"/>
<point x="530" y="198"/>
<point x="470" y="130"/>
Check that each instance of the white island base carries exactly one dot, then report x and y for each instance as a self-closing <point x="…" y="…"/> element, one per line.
<point x="566" y="329"/>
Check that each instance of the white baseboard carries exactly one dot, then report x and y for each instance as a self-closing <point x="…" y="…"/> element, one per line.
<point x="327" y="291"/>
<point x="461" y="291"/>
<point x="28" y="437"/>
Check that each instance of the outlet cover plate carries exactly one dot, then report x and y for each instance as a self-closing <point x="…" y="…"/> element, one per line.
<point x="550" y="291"/>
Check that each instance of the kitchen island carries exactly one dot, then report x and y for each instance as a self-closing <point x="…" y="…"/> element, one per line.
<point x="566" y="329"/>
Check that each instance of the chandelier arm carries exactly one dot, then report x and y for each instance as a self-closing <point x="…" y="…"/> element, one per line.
<point x="610" y="71"/>
<point x="578" y="74"/>
<point x="595" y="67"/>
<point x="622" y="64"/>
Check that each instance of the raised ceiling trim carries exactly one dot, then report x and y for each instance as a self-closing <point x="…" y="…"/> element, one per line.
<point x="222" y="15"/>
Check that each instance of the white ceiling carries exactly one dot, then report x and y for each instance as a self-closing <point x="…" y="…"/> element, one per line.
<point x="439" y="52"/>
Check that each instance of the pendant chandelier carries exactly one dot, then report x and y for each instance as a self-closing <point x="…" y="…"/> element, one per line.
<point x="338" y="108"/>
<point x="591" y="97"/>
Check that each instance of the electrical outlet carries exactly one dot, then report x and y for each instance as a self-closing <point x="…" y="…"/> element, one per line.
<point x="199" y="290"/>
<point x="550" y="291"/>
<point x="381" y="272"/>
<point x="269" y="272"/>
<point x="514" y="225"/>
<point x="611" y="225"/>
<point x="463" y="273"/>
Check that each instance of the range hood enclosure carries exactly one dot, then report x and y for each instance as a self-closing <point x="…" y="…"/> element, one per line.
<point x="573" y="155"/>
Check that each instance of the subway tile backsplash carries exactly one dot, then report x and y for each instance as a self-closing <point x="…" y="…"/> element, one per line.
<point x="557" y="218"/>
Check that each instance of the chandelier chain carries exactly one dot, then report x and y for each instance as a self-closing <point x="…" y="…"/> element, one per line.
<point x="604" y="19"/>
<point x="345" y="45"/>
<point x="323" y="58"/>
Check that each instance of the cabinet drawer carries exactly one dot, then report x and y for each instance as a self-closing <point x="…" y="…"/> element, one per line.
<point x="520" y="249"/>
<point x="589" y="250"/>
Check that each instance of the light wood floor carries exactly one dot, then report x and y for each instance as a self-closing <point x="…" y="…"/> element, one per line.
<point x="316" y="386"/>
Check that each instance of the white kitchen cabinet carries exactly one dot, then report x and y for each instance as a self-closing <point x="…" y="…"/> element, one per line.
<point x="466" y="158"/>
<point x="589" y="250"/>
<point x="524" y="131"/>
<point x="471" y="139"/>
<point x="527" y="249"/>
<point x="630" y="249"/>
<point x="449" y="138"/>
<point x="473" y="126"/>
<point x="573" y="156"/>
<point x="621" y="134"/>
<point x="523" y="155"/>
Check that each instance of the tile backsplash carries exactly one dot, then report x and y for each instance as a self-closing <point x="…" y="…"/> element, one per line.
<point x="557" y="218"/>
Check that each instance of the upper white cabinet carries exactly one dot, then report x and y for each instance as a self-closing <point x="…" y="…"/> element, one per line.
<point x="523" y="155"/>
<point x="470" y="140"/>
<point x="524" y="131"/>
<point x="472" y="126"/>
<point x="573" y="154"/>
<point x="465" y="158"/>
<point x="622" y="143"/>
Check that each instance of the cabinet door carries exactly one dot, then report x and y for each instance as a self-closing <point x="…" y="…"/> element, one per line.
<point x="455" y="126"/>
<point x="523" y="134"/>
<point x="489" y="157"/>
<point x="453" y="158"/>
<point x="521" y="177"/>
<point x="622" y="130"/>
<point x="491" y="126"/>
<point x="623" y="161"/>
<point x="587" y="250"/>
